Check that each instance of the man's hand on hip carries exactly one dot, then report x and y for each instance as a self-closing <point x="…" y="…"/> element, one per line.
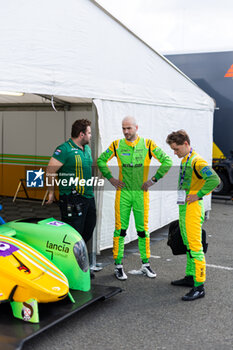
<point x="116" y="183"/>
<point x="192" y="198"/>
<point x="147" y="184"/>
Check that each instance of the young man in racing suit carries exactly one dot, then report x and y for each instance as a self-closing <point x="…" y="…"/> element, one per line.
<point x="133" y="156"/>
<point x="196" y="180"/>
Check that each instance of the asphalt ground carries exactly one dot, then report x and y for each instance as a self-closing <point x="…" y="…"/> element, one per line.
<point x="149" y="313"/>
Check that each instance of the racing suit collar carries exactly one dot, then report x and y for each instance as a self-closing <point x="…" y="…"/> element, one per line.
<point x="134" y="143"/>
<point x="186" y="157"/>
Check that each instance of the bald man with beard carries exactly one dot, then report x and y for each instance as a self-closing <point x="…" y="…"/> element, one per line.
<point x="133" y="155"/>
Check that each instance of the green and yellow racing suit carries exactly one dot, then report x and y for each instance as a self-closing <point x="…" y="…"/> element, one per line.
<point x="133" y="161"/>
<point x="199" y="179"/>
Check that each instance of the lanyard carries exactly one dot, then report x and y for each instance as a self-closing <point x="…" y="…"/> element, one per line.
<point x="182" y="173"/>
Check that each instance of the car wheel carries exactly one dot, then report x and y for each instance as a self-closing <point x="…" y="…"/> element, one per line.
<point x="224" y="186"/>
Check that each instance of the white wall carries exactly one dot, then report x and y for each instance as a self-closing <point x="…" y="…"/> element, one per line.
<point x="49" y="131"/>
<point x="19" y="132"/>
<point x="37" y="132"/>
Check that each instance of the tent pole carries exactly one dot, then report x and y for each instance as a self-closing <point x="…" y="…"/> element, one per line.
<point x="92" y="255"/>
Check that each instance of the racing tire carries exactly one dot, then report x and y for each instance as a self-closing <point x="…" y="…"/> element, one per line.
<point x="224" y="187"/>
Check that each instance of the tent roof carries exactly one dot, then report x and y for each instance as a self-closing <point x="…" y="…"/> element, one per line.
<point x="80" y="50"/>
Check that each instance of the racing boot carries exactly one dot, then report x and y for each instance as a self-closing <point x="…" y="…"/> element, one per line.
<point x="119" y="272"/>
<point x="195" y="293"/>
<point x="147" y="270"/>
<point x="187" y="281"/>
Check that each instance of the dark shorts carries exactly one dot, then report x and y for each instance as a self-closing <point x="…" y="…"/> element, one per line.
<point x="80" y="213"/>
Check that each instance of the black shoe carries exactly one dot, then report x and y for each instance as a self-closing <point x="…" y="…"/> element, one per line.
<point x="195" y="293"/>
<point x="187" y="281"/>
<point x="92" y="274"/>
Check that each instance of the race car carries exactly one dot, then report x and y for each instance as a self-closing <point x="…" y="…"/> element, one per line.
<point x="60" y="243"/>
<point x="27" y="277"/>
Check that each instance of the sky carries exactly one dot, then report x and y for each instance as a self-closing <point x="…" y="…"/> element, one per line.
<point x="177" y="26"/>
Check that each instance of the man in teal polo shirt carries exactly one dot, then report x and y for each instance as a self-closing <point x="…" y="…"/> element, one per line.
<point x="72" y="161"/>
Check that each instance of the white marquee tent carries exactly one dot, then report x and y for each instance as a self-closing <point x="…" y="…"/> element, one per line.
<point x="76" y="49"/>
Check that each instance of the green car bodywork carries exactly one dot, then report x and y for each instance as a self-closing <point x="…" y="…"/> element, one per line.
<point x="57" y="241"/>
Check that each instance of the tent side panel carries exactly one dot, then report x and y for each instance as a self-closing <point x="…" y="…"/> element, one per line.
<point x="155" y="123"/>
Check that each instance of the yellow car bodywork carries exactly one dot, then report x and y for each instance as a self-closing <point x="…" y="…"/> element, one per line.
<point x="26" y="275"/>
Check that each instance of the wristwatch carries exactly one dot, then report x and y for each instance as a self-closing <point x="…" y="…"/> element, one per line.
<point x="153" y="179"/>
